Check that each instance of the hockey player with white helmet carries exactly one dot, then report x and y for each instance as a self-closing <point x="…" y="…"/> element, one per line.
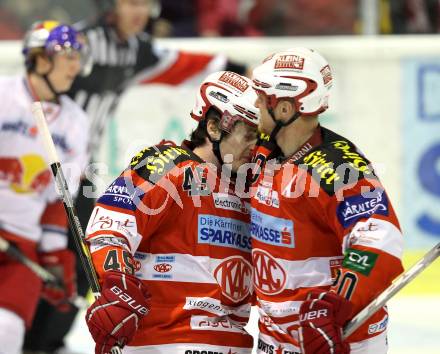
<point x="180" y="236"/>
<point x="325" y="238"/>
<point x="31" y="215"/>
<point x="228" y="93"/>
<point x="287" y="75"/>
<point x="121" y="55"/>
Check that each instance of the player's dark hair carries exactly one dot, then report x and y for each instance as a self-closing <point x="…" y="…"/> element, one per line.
<point x="31" y="60"/>
<point x="199" y="135"/>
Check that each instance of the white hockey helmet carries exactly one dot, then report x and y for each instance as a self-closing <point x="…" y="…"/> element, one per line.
<point x="231" y="95"/>
<point x="300" y="74"/>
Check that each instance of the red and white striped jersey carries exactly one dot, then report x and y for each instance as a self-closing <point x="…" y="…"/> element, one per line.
<point x="29" y="206"/>
<point x="190" y="243"/>
<point x="322" y="221"/>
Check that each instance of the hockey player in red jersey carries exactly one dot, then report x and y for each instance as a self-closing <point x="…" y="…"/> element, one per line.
<point x="121" y="55"/>
<point x="325" y="238"/>
<point x="173" y="227"/>
<point x="32" y="216"/>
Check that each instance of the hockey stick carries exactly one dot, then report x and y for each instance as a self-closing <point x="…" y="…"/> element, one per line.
<point x="392" y="290"/>
<point x="43" y="274"/>
<point x="63" y="190"/>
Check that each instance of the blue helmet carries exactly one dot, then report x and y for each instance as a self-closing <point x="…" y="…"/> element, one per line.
<point x="50" y="37"/>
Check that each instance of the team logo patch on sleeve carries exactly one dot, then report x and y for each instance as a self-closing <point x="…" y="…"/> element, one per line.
<point x="360" y="261"/>
<point x="272" y="230"/>
<point x="361" y="206"/>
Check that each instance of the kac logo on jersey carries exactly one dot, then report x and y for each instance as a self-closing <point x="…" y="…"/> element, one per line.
<point x="272" y="230"/>
<point x="269" y="276"/>
<point x="362" y="206"/>
<point x="226" y="232"/>
<point x="234" y="274"/>
<point x="162" y="267"/>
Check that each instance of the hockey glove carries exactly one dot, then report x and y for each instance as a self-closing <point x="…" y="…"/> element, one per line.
<point x="321" y="319"/>
<point x="60" y="263"/>
<point x="114" y="317"/>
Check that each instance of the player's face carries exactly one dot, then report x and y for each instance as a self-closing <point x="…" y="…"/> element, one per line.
<point x="66" y="65"/>
<point x="240" y="144"/>
<point x="266" y="123"/>
<point x="132" y="16"/>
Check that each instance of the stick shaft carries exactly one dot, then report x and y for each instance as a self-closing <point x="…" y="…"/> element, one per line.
<point x="392" y="290"/>
<point x="63" y="190"/>
<point x="75" y="228"/>
<point x="13" y="252"/>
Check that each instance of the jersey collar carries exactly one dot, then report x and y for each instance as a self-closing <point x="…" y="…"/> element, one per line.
<point x="315" y="140"/>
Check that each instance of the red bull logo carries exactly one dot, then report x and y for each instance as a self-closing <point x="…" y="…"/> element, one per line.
<point x="234" y="275"/>
<point x="26" y="174"/>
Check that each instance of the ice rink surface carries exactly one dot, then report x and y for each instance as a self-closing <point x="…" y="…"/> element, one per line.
<point x="414" y="327"/>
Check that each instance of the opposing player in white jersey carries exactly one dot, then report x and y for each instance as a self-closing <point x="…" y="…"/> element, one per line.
<point x="31" y="215"/>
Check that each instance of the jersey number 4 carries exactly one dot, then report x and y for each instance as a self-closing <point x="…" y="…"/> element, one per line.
<point x="195" y="181"/>
<point x="119" y="260"/>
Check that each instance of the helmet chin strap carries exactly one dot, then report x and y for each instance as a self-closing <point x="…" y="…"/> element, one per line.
<point x="51" y="88"/>
<point x="48" y="83"/>
<point x="215" y="143"/>
<point x="279" y="124"/>
<point x="218" y="155"/>
<point x="216" y="147"/>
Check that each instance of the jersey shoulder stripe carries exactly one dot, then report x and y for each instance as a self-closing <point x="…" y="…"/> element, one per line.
<point x="155" y="162"/>
<point x="336" y="162"/>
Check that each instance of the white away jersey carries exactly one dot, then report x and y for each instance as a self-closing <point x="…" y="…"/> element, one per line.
<point x="26" y="183"/>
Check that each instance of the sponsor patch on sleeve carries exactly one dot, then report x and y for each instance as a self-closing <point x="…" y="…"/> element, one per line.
<point x="378" y="327"/>
<point x="361" y="206"/>
<point x="121" y="195"/>
<point x="104" y="221"/>
<point x="155" y="162"/>
<point x="360" y="261"/>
